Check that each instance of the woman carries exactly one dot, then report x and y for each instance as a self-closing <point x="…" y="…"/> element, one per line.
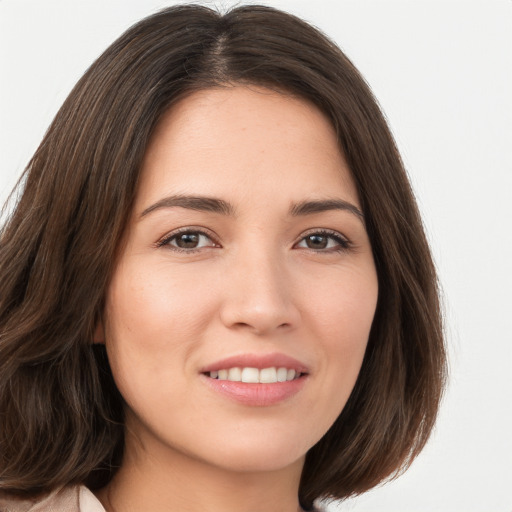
<point x="216" y="289"/>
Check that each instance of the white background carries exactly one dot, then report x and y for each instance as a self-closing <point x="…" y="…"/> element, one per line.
<point x="442" y="71"/>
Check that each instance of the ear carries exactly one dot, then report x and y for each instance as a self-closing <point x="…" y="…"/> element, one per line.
<point x="99" y="333"/>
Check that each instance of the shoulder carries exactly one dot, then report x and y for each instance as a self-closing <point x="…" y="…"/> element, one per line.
<point x="66" y="499"/>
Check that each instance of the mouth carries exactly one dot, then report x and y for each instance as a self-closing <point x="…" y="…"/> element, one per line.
<point x="257" y="380"/>
<point x="251" y="375"/>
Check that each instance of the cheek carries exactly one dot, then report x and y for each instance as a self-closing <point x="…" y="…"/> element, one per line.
<point x="342" y="313"/>
<point x="153" y="321"/>
<point x="153" y="300"/>
<point x="344" y="306"/>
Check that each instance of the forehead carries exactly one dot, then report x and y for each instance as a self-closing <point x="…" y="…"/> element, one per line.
<point x="248" y="141"/>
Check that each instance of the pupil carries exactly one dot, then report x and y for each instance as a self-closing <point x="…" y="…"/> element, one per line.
<point x="187" y="240"/>
<point x="317" y="242"/>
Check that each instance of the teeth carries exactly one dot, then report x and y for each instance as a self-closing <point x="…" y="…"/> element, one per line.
<point x="269" y="375"/>
<point x="235" y="374"/>
<point x="254" y="376"/>
<point x="281" y="374"/>
<point x="250" y="375"/>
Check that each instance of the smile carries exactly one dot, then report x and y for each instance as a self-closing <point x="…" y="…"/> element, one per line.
<point x="255" y="376"/>
<point x="257" y="380"/>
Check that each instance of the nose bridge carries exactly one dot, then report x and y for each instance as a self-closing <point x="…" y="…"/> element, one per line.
<point x="259" y="292"/>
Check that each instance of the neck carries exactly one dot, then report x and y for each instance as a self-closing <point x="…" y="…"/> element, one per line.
<point x="166" y="480"/>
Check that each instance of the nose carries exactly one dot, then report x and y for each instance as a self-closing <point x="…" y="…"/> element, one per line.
<point x="259" y="296"/>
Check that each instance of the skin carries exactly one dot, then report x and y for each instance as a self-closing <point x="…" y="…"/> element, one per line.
<point x="255" y="284"/>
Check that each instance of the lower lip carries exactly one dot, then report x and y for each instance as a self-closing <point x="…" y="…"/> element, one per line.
<point x="257" y="395"/>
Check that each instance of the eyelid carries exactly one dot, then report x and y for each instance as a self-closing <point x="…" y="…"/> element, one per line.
<point x="164" y="241"/>
<point x="344" y="242"/>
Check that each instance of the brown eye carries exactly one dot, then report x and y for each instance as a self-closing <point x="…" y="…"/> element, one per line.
<point x="187" y="241"/>
<point x="316" y="241"/>
<point x="324" y="242"/>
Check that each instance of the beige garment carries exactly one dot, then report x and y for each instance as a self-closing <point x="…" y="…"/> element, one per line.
<point x="67" y="499"/>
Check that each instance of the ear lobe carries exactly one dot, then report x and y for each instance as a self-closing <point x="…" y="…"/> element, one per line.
<point x="99" y="334"/>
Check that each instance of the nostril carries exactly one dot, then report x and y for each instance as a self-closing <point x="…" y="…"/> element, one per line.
<point x="259" y="311"/>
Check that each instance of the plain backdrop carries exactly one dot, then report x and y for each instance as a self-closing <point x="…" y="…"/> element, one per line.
<point x="442" y="71"/>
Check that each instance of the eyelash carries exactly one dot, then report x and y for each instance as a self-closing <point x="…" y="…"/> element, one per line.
<point x="189" y="230"/>
<point x="344" y="244"/>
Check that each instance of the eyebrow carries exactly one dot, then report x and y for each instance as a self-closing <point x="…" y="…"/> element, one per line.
<point x="216" y="205"/>
<point x="323" y="205"/>
<point x="200" y="203"/>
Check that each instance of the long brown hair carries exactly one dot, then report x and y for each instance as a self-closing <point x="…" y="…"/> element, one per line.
<point x="61" y="415"/>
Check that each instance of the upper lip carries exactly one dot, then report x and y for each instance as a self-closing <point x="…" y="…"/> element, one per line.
<point x="258" y="361"/>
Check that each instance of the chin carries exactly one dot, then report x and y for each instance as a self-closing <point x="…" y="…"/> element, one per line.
<point x="251" y="455"/>
<point x="263" y="462"/>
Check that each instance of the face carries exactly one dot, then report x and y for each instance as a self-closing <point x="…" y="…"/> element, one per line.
<point x="240" y="307"/>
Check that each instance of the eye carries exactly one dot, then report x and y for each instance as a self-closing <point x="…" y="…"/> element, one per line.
<point x="187" y="240"/>
<point x="324" y="241"/>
